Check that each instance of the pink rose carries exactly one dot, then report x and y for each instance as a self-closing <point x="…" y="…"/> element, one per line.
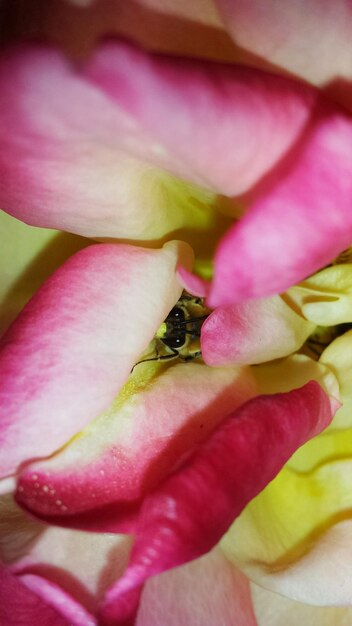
<point x="141" y="148"/>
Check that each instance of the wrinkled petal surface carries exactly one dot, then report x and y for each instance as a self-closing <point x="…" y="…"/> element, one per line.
<point x="73" y="346"/>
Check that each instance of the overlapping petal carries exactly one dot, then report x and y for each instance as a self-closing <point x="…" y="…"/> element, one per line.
<point x="298" y="220"/>
<point x="98" y="138"/>
<point x="292" y="537"/>
<point x="232" y="466"/>
<point x="158" y="417"/>
<point x="72" y="348"/>
<point x="124" y="153"/>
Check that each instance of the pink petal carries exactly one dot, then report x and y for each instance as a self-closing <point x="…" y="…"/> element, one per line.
<point x="87" y="145"/>
<point x="206" y="592"/>
<point x="71" y="350"/>
<point x="298" y="221"/>
<point x="128" y="451"/>
<point x="55" y="597"/>
<point x="21" y="607"/>
<point x="253" y="332"/>
<point x="194" y="507"/>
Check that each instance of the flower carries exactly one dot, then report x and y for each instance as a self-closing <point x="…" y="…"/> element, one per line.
<point x="117" y="466"/>
<point x="308" y="135"/>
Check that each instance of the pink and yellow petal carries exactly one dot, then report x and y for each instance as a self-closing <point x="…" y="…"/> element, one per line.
<point x="234" y="465"/>
<point x="119" y="153"/>
<point x="253" y="332"/>
<point x="73" y="346"/>
<point x="209" y="139"/>
<point x="298" y="219"/>
<point x="280" y="539"/>
<point x="70" y="163"/>
<point x="158" y="417"/>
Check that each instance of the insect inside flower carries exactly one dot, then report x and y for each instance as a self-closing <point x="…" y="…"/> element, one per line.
<point x="178" y="336"/>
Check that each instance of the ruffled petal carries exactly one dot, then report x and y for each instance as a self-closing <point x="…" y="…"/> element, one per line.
<point x="298" y="219"/>
<point x="233" y="465"/>
<point x="253" y="332"/>
<point x="72" y="348"/>
<point x="159" y="416"/>
<point x="94" y="149"/>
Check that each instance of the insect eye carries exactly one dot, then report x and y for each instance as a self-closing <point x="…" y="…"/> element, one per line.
<point x="176" y="314"/>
